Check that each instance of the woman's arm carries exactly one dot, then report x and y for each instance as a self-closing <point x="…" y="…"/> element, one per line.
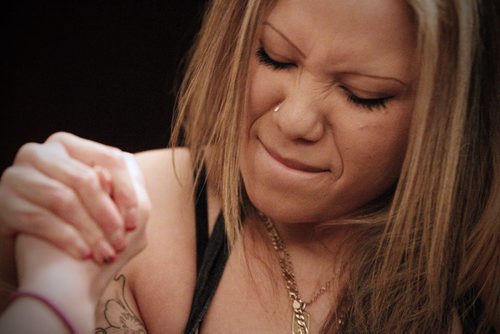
<point x="117" y="309"/>
<point x="77" y="194"/>
<point x="59" y="292"/>
<point x="63" y="284"/>
<point x="54" y="286"/>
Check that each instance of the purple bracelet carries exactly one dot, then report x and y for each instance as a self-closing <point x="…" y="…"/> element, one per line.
<point x="48" y="303"/>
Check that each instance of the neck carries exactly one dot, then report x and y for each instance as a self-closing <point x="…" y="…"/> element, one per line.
<point x="316" y="257"/>
<point x="318" y="239"/>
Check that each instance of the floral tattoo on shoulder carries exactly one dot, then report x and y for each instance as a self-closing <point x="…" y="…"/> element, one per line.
<point x="118" y="316"/>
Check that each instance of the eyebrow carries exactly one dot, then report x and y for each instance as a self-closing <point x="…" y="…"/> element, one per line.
<point x="285" y="38"/>
<point x="377" y="77"/>
<point x="266" y="23"/>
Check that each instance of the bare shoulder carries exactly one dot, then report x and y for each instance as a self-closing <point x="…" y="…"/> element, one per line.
<point x="167" y="167"/>
<point x="160" y="281"/>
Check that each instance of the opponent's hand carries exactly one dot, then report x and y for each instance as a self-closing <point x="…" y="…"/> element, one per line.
<point x="77" y="194"/>
<point x="74" y="286"/>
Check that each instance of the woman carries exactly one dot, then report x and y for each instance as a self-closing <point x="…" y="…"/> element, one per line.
<point x="352" y="148"/>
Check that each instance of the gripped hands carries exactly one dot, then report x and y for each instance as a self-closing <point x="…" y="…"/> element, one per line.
<point x="79" y="195"/>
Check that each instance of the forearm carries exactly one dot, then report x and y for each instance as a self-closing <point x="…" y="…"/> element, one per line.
<point x="40" y="308"/>
<point x="50" y="282"/>
<point x="28" y="315"/>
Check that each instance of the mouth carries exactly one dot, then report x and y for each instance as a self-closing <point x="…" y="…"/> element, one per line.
<point x="292" y="163"/>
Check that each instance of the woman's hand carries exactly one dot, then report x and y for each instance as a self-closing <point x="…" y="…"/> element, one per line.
<point x="73" y="286"/>
<point x="79" y="195"/>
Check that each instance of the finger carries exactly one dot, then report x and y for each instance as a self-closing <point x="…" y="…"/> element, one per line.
<point x="137" y="240"/>
<point x="104" y="179"/>
<point x="53" y="161"/>
<point x="111" y="158"/>
<point x="29" y="184"/>
<point x="143" y="201"/>
<point x="41" y="223"/>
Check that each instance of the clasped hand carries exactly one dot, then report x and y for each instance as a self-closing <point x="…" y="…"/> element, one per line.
<point x="78" y="209"/>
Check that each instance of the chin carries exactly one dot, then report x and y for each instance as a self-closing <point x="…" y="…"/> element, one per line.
<point x="290" y="209"/>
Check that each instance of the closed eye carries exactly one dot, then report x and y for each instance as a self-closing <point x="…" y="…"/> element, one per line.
<point x="370" y="104"/>
<point x="265" y="59"/>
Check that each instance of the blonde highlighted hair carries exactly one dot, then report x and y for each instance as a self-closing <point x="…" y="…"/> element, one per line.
<point x="436" y="240"/>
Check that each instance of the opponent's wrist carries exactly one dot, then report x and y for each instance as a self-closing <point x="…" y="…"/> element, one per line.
<point x="71" y="297"/>
<point x="74" y="310"/>
<point x="37" y="305"/>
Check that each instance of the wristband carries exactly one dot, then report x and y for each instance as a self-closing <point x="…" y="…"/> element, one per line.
<point x="46" y="302"/>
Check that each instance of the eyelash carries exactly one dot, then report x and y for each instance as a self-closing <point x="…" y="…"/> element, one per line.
<point x="369" y="104"/>
<point x="265" y="59"/>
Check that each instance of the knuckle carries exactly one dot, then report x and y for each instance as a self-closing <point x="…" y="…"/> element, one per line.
<point x="85" y="179"/>
<point x="115" y="157"/>
<point x="62" y="200"/>
<point x="126" y="197"/>
<point x="26" y="152"/>
<point x="13" y="174"/>
<point x="127" y="155"/>
<point x="8" y="175"/>
<point x="59" y="136"/>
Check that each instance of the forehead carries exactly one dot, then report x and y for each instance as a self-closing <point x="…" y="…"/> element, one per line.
<point x="367" y="33"/>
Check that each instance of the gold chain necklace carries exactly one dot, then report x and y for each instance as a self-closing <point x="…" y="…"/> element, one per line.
<point x="300" y="318"/>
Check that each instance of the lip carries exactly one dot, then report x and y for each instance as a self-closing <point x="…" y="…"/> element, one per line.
<point x="293" y="164"/>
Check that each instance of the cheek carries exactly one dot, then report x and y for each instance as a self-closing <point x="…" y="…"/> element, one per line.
<point x="265" y="91"/>
<point x="376" y="149"/>
<point x="372" y="144"/>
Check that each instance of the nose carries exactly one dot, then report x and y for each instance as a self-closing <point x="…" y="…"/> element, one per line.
<point x="300" y="118"/>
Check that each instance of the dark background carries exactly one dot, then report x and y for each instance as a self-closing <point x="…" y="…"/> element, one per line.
<point x="104" y="70"/>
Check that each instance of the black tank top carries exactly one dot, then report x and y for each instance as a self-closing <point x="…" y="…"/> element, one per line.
<point x="211" y="257"/>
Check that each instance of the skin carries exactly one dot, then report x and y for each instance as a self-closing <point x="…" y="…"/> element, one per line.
<point x="354" y="154"/>
<point x="336" y="48"/>
<point x="320" y="156"/>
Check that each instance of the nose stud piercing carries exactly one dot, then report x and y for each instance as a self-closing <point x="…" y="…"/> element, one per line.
<point x="277" y="108"/>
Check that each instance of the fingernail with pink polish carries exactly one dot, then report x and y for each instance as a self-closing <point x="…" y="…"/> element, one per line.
<point x="109" y="259"/>
<point x="105" y="250"/>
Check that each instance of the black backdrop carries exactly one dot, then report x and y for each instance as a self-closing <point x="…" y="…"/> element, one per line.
<point x="105" y="70"/>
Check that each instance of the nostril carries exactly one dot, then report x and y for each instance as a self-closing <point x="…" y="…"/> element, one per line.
<point x="304" y="141"/>
<point x="313" y="133"/>
<point x="305" y="126"/>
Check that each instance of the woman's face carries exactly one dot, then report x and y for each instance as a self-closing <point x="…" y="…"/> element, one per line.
<point x="341" y="73"/>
